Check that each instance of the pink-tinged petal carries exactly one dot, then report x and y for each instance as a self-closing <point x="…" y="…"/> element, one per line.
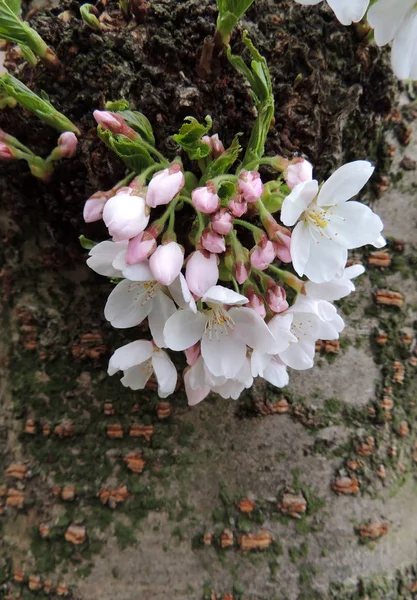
<point x="301" y="242"/>
<point x="222" y="295"/>
<point x="348" y="12"/>
<point x="224" y="355"/>
<point x="130" y="355"/>
<point x="139" y="272"/>
<point x="192" y="354"/>
<point x="345" y="183"/>
<point x="298" y="171"/>
<point x="352" y="225"/>
<point x="296" y="203"/>
<point x="252" y="329"/>
<point x="128" y="305"/>
<point x="101" y="258"/>
<point x="165" y="372"/>
<point x="166" y="263"/>
<point x="137" y="377"/>
<point x="276" y="374"/>
<point x="326" y="261"/>
<point x="194" y="396"/>
<point x="162" y="308"/>
<point x="140" y="248"/>
<point x="386" y="18"/>
<point x="201" y="272"/>
<point x="250" y="186"/>
<point x="184" y="329"/>
<point x="165" y="185"/>
<point x="125" y="216"/>
<point x="205" y="199"/>
<point x="93" y="208"/>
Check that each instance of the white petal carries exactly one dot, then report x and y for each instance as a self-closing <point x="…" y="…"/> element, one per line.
<point x="299" y="199"/>
<point x="301" y="242"/>
<point x="280" y="328"/>
<point x="166" y="373"/>
<point x="348" y="11"/>
<point x="308" y="2"/>
<point x="352" y="225"/>
<point x="120" y="262"/>
<point x="221" y="295"/>
<point x="252" y="329"/>
<point x="128" y="305"/>
<point x="225" y="355"/>
<point x="380" y="242"/>
<point x="197" y="375"/>
<point x="354" y="271"/>
<point x="276" y="373"/>
<point x="181" y="294"/>
<point x="326" y="261"/>
<point x="137" y="377"/>
<point x="259" y="362"/>
<point x="184" y="329"/>
<point x="162" y="308"/>
<point x="102" y="256"/>
<point x="132" y="354"/>
<point x="345" y="183"/>
<point x="194" y="396"/>
<point x="300" y="356"/>
<point x="139" y="272"/>
<point x="386" y="18"/>
<point x="404" y="49"/>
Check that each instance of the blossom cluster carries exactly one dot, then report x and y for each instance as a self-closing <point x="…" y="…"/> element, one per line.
<point x="392" y="21"/>
<point x="238" y="274"/>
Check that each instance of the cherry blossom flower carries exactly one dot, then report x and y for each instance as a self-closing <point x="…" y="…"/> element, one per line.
<point x="205" y="199"/>
<point x="138" y="360"/>
<point x="125" y="215"/>
<point x="102" y="256"/>
<point x="298" y="171"/>
<point x="327" y="224"/>
<point x="166" y="262"/>
<point x="337" y="288"/>
<point x="397" y="21"/>
<point x="165" y="185"/>
<point x="224" y="332"/>
<point x="346" y="11"/>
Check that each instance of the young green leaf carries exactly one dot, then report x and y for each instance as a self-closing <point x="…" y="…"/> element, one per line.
<point x="117" y="105"/>
<point x="137" y="121"/>
<point x="133" y="154"/>
<point x="86" y="243"/>
<point x="226" y="159"/>
<point x="89" y="15"/>
<point x="230" y="11"/>
<point x="15" y="5"/>
<point x="14" y="30"/>
<point x="189" y="138"/>
<point x="41" y="108"/>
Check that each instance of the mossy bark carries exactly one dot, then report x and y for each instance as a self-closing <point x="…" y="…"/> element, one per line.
<point x="60" y="412"/>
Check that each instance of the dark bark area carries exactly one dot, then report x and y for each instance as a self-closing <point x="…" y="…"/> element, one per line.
<point x="71" y="425"/>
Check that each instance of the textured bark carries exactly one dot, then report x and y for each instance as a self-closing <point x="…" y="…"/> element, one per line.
<point x="178" y="529"/>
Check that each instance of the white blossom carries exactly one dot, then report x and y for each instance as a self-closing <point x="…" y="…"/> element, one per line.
<point x="346" y="11"/>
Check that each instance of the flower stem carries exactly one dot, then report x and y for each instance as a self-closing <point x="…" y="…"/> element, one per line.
<point x="255" y="230"/>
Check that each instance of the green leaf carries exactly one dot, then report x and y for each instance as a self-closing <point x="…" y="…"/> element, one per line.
<point x="117" y="105"/>
<point x="272" y="202"/>
<point x="133" y="154"/>
<point x="29" y="55"/>
<point x="226" y="190"/>
<point x="86" y="243"/>
<point x="230" y="11"/>
<point x="189" y="138"/>
<point x="41" y="108"/>
<point x="14" y="30"/>
<point x="226" y="159"/>
<point x="88" y="14"/>
<point x="137" y="121"/>
<point x="15" y="6"/>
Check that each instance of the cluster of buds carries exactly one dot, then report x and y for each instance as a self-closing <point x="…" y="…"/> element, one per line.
<point x="209" y="263"/>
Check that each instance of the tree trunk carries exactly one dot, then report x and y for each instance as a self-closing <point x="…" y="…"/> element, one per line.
<point x="303" y="494"/>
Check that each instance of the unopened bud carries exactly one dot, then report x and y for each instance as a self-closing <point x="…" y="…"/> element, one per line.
<point x="250" y="186"/>
<point x="222" y="222"/>
<point x="165" y="185"/>
<point x="5" y="152"/>
<point x="67" y="144"/>
<point x="166" y="262"/>
<point x="262" y="255"/>
<point x="256" y="302"/>
<point x="140" y="248"/>
<point x="238" y="206"/>
<point x="298" y="171"/>
<point x="213" y="242"/>
<point x="110" y="121"/>
<point x="205" y="199"/>
<point x="215" y="144"/>
<point x="276" y="298"/>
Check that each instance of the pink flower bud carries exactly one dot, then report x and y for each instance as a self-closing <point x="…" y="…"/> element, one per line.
<point x="205" y="199"/>
<point x="213" y="242"/>
<point x="165" y="185"/>
<point x="262" y="256"/>
<point x="201" y="272"/>
<point x="166" y="262"/>
<point x="109" y="121"/>
<point x="192" y="354"/>
<point x="67" y="144"/>
<point x="276" y="298"/>
<point x="125" y="216"/>
<point x="222" y="222"/>
<point x="241" y="271"/>
<point x="298" y="171"/>
<point x="238" y="206"/>
<point x="256" y="302"/>
<point x="94" y="206"/>
<point x="140" y="248"/>
<point x="282" y="246"/>
<point x="215" y="144"/>
<point x="5" y="152"/>
<point x="250" y="186"/>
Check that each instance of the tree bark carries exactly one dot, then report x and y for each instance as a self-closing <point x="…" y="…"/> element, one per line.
<point x="303" y="494"/>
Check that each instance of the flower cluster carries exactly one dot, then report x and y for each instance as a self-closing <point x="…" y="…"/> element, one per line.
<point x="216" y="267"/>
<point x="392" y="20"/>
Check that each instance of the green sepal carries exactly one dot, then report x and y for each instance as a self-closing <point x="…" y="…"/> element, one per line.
<point x="224" y="273"/>
<point x="139" y="123"/>
<point x="87" y="12"/>
<point x="222" y="164"/>
<point x="41" y="108"/>
<point x="116" y="105"/>
<point x="86" y="243"/>
<point x="226" y="191"/>
<point x="189" y="137"/>
<point x="133" y="154"/>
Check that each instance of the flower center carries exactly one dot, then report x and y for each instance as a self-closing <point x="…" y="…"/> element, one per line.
<point x="144" y="291"/>
<point x="317" y="217"/>
<point x="219" y="323"/>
